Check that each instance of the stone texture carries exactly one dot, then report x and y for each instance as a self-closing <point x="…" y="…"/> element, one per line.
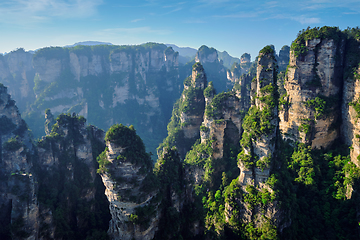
<point x="321" y="60"/>
<point x="350" y="122"/>
<point x="118" y="193"/>
<point x="18" y="196"/>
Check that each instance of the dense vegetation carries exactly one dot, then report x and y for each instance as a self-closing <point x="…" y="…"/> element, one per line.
<point x="191" y="103"/>
<point x="64" y="195"/>
<point x="134" y="148"/>
<point x="299" y="47"/>
<point x="314" y="192"/>
<point x="99" y="89"/>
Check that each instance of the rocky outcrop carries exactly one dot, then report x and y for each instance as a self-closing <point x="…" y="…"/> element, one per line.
<point x="245" y="58"/>
<point x="222" y="121"/>
<point x="188" y="113"/>
<point x="205" y="54"/>
<point x="313" y="89"/>
<point x="193" y="96"/>
<point x="18" y="188"/>
<point x="125" y="168"/>
<point x="17" y="73"/>
<point x="67" y="168"/>
<point x="49" y="121"/>
<point x="258" y="142"/>
<point x="101" y="80"/>
<point x="350" y="127"/>
<point x="50" y="191"/>
<point x="283" y="58"/>
<point x="214" y="68"/>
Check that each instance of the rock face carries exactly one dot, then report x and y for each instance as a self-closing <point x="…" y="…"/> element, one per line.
<point x="67" y="169"/>
<point x="258" y="142"/>
<point x="52" y="191"/>
<point x="206" y="54"/>
<point x="49" y="191"/>
<point x="245" y="58"/>
<point x="283" y="58"/>
<point x="215" y="70"/>
<point x="100" y="83"/>
<point x="127" y="186"/>
<point x="17" y="73"/>
<point x="236" y="72"/>
<point x="18" y="188"/>
<point x="222" y="121"/>
<point x="313" y="87"/>
<point x="190" y="119"/>
<point x="260" y="145"/>
<point x="350" y="127"/>
<point x="188" y="113"/>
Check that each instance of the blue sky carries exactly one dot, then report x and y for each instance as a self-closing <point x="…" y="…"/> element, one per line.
<point x="236" y="26"/>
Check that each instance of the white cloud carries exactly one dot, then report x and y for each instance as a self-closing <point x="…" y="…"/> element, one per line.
<point x="30" y="11"/>
<point x="301" y="19"/>
<point x="240" y="15"/>
<point x="134" y="31"/>
<point x="172" y="11"/>
<point x="306" y="20"/>
<point x="137" y="20"/>
<point x="194" y="21"/>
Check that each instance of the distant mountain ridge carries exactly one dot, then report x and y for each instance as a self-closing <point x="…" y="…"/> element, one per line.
<point x="88" y="43"/>
<point x="188" y="53"/>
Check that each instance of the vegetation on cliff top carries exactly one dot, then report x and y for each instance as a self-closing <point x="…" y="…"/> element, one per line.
<point x="134" y="148"/>
<point x="299" y="45"/>
<point x="64" y="195"/>
<point x="191" y="103"/>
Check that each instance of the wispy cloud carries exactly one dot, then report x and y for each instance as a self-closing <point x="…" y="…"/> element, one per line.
<point x="135" y="31"/>
<point x="306" y="20"/>
<point x="173" y="10"/>
<point x="240" y="15"/>
<point x="194" y="21"/>
<point x="301" y="19"/>
<point x="174" y="5"/>
<point x="137" y="20"/>
<point x="212" y="2"/>
<point x="30" y="11"/>
<point x="351" y="13"/>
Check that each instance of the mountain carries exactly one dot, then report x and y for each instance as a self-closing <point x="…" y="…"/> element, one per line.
<point x="274" y="157"/>
<point x="184" y="51"/>
<point x="88" y="43"/>
<point x="186" y="54"/>
<point x="227" y="60"/>
<point x="107" y="84"/>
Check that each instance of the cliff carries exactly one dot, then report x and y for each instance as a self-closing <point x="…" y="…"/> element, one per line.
<point x="258" y="146"/>
<point x="102" y="82"/>
<point x="70" y="192"/>
<point x="313" y="89"/>
<point x="17" y="73"/>
<point x="125" y="170"/>
<point x="49" y="191"/>
<point x="18" y="188"/>
<point x="188" y="113"/>
<point x="99" y="82"/>
<point x="292" y="161"/>
<point x="215" y="70"/>
<point x="277" y="157"/>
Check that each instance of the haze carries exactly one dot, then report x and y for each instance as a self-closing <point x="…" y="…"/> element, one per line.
<point x="234" y="26"/>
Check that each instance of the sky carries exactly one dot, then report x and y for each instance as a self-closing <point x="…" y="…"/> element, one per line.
<point x="235" y="26"/>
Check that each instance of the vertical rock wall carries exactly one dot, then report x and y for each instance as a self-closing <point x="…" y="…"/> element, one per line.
<point x="127" y="189"/>
<point x="313" y="88"/>
<point x="258" y="148"/>
<point x="18" y="188"/>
